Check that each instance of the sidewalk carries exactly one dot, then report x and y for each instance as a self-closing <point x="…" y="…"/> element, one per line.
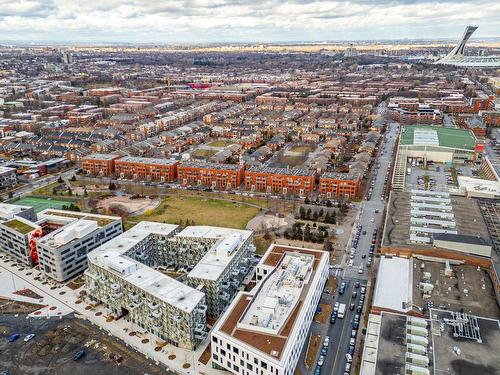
<point x="59" y="300"/>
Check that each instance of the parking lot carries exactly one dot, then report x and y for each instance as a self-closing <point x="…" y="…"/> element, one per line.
<point x="437" y="176"/>
<point x="55" y="343"/>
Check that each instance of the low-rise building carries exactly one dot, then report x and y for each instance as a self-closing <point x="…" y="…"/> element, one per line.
<point x="63" y="251"/>
<point x="339" y="185"/>
<point x="164" y="170"/>
<point x="263" y="331"/>
<point x="211" y="175"/>
<point x="280" y="180"/>
<point x="8" y="177"/>
<point x="99" y="164"/>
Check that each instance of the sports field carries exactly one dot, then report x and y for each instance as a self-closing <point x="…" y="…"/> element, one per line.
<point x="40" y="204"/>
<point x="447" y="137"/>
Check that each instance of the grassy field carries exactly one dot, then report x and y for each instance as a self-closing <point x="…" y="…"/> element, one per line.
<point x="303" y="148"/>
<point x="40" y="204"/>
<point x="221" y="143"/>
<point x="203" y="211"/>
<point x="204" y="153"/>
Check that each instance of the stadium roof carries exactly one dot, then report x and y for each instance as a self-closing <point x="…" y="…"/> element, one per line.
<point x="446" y="137"/>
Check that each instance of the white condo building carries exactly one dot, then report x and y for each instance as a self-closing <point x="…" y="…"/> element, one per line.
<point x="263" y="331"/>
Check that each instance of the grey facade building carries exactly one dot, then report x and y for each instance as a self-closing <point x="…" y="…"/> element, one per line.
<point x="8" y="177"/>
<point x="63" y="252"/>
<point x="8" y="211"/>
<point x="16" y="236"/>
<point x="125" y="275"/>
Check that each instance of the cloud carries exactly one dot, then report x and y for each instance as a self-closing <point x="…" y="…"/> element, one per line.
<point x="242" y="20"/>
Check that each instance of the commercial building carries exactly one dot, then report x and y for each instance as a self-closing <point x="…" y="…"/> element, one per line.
<point x="71" y="236"/>
<point x="438" y="144"/>
<point x="280" y="180"/>
<point x="8" y="177"/>
<point x="138" y="168"/>
<point x="99" y="164"/>
<point x="436" y="224"/>
<point x="339" y="185"/>
<point x="124" y="274"/>
<point x="451" y="342"/>
<point x="211" y="175"/>
<point x="263" y="331"/>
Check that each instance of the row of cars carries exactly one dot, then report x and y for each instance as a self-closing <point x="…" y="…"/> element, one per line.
<point x="355" y="324"/>
<point x="323" y="353"/>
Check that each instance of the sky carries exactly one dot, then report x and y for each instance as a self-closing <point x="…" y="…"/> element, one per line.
<point x="206" y="21"/>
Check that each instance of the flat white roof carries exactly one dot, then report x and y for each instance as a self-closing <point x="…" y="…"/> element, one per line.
<point x="394" y="284"/>
<point x="278" y="295"/>
<point x="7" y="211"/>
<point x="111" y="255"/>
<point x="216" y="260"/>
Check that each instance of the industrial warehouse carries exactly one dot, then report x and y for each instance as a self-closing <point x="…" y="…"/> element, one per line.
<point x="210" y="264"/>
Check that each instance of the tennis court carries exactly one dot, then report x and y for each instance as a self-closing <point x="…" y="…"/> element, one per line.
<point x="40" y="204"/>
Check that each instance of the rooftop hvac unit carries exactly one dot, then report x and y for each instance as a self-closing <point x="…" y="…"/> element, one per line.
<point x="415" y="339"/>
<point x="414" y="321"/>
<point x="411" y="369"/>
<point x="415" y="348"/>
<point x="426" y="287"/>
<point x="418" y="331"/>
<point x="417" y="359"/>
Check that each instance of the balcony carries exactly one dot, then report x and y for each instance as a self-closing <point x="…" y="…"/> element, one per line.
<point x="153" y="305"/>
<point x="224" y="296"/>
<point x="202" y="309"/>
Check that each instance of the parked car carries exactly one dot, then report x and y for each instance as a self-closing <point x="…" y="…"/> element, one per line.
<point x="13" y="337"/>
<point x="29" y="337"/>
<point x="347" y="368"/>
<point x="321" y="360"/>
<point x="79" y="355"/>
<point x="326" y="342"/>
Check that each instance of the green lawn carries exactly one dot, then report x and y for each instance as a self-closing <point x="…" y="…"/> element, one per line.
<point x="221" y="143"/>
<point x="40" y="204"/>
<point x="203" y="211"/>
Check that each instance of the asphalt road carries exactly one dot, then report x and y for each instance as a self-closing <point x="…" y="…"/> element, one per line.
<point x="340" y="332"/>
<point x="28" y="188"/>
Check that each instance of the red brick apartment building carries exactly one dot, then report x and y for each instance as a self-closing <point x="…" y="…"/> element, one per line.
<point x="151" y="169"/>
<point x="280" y="180"/>
<point x="221" y="176"/>
<point x="99" y="164"/>
<point x="339" y="185"/>
<point x="422" y="116"/>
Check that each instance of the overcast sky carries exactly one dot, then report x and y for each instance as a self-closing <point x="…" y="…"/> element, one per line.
<point x="187" y="21"/>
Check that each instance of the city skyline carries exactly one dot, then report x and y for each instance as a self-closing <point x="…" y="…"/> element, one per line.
<point x="201" y="21"/>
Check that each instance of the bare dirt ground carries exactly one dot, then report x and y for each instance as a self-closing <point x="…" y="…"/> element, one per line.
<point x="127" y="204"/>
<point x="56" y="340"/>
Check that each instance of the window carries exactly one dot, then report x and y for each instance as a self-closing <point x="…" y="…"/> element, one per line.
<point x="215" y="357"/>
